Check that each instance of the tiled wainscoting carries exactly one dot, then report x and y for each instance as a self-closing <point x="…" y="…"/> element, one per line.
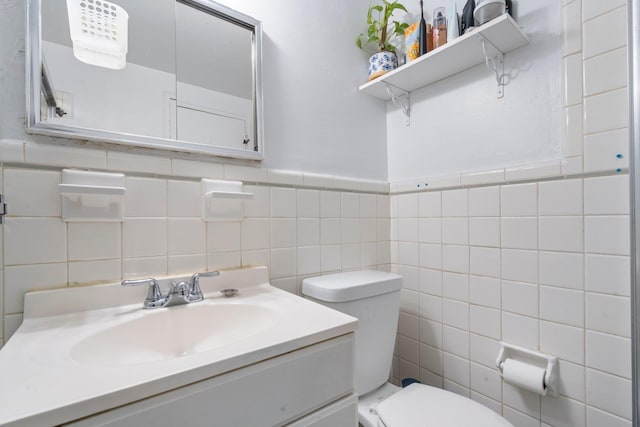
<point x="544" y="265"/>
<point x="541" y="264"/>
<point x="297" y="232"/>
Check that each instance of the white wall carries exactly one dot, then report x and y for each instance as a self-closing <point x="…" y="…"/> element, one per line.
<point x="459" y="125"/>
<point x="315" y="119"/>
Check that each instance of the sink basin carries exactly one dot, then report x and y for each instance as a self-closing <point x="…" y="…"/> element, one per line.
<point x="167" y="333"/>
<point x="88" y="349"/>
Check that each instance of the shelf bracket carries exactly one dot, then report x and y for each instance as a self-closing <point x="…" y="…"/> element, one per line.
<point x="401" y="99"/>
<point x="494" y="59"/>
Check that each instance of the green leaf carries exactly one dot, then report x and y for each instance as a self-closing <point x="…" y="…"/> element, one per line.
<point x="379" y="29"/>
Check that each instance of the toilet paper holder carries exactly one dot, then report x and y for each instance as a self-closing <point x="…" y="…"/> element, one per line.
<point x="545" y="361"/>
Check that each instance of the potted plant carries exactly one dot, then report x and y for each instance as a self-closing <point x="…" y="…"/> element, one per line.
<point x="380" y="32"/>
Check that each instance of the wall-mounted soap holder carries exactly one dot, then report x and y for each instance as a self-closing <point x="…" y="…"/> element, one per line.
<point x="92" y="196"/>
<point x="223" y="200"/>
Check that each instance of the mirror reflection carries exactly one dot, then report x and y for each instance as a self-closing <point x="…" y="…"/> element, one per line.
<point x="213" y="108"/>
<point x="190" y="81"/>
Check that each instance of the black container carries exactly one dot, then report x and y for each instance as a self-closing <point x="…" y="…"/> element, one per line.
<point x="467" y="16"/>
<point x="423" y="32"/>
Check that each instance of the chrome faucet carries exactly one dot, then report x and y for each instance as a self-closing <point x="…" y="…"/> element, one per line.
<point x="181" y="292"/>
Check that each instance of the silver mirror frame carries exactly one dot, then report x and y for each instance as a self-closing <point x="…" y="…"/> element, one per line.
<point x="33" y="69"/>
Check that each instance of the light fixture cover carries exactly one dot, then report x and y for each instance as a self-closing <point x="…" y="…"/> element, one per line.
<point x="99" y="32"/>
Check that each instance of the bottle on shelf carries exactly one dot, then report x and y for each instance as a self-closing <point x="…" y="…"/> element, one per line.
<point x="412" y="42"/>
<point x="453" y="28"/>
<point x="423" y="32"/>
<point x="439" y="27"/>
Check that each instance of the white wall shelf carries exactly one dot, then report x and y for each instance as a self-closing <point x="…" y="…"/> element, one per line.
<point x="500" y="35"/>
<point x="92" y="196"/>
<point x="223" y="200"/>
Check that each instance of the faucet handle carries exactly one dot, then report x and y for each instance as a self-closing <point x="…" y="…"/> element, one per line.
<point x="195" y="294"/>
<point x="179" y="288"/>
<point x="154" y="295"/>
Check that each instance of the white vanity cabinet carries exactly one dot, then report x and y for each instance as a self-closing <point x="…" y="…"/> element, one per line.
<point x="312" y="386"/>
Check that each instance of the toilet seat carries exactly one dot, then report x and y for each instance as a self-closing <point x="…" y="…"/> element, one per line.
<point x="421" y="405"/>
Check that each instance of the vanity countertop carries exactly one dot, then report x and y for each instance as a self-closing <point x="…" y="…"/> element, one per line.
<point x="52" y="372"/>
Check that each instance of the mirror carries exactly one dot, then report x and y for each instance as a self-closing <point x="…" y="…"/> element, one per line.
<point x="191" y="81"/>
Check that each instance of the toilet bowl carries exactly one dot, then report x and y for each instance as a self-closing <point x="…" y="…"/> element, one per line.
<point x="373" y="297"/>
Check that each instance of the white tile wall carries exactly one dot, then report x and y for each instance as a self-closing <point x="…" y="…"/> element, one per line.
<point x="563" y="234"/>
<point x="606" y="111"/>
<point x="283" y="202"/>
<point x="606" y="195"/>
<point x="185" y="199"/>
<point x="20" y="279"/>
<point x="562" y="269"/>
<point x="572" y="141"/>
<point x="561" y="197"/>
<point x="605" y="72"/>
<point x="295" y="231"/>
<point x="36" y="193"/>
<point x="144" y="237"/>
<point x="484" y="231"/>
<point x="94" y="241"/>
<point x="607" y="234"/>
<point x="595" y="86"/>
<point x="58" y="155"/>
<point x="596" y="417"/>
<point x="608" y="274"/>
<point x="572" y="33"/>
<point x="82" y="272"/>
<point x="573" y="79"/>
<point x="22" y="235"/>
<point x="562" y="412"/>
<point x="484" y="201"/>
<point x="609" y="393"/>
<point x="519" y="200"/>
<point x="609" y="353"/>
<point x="544" y="265"/>
<point x="146" y="197"/>
<point x="593" y="8"/>
<point x="185" y="236"/>
<point x="605" y="32"/>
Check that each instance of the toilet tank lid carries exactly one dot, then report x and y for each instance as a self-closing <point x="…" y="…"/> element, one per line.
<point x="351" y="285"/>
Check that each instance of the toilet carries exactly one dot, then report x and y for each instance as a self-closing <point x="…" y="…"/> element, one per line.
<point x="373" y="297"/>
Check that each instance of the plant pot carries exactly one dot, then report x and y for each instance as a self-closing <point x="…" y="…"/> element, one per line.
<point x="381" y="63"/>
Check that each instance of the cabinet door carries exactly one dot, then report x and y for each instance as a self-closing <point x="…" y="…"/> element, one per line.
<point x="269" y="393"/>
<point x="343" y="413"/>
<point x="209" y="128"/>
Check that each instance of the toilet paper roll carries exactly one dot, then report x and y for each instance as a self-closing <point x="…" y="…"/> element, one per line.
<point x="524" y="375"/>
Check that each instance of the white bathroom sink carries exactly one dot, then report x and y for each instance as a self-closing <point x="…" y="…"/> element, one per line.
<point x="166" y="333"/>
<point x="83" y="350"/>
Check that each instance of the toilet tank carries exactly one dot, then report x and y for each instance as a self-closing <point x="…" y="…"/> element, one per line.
<point x="373" y="297"/>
